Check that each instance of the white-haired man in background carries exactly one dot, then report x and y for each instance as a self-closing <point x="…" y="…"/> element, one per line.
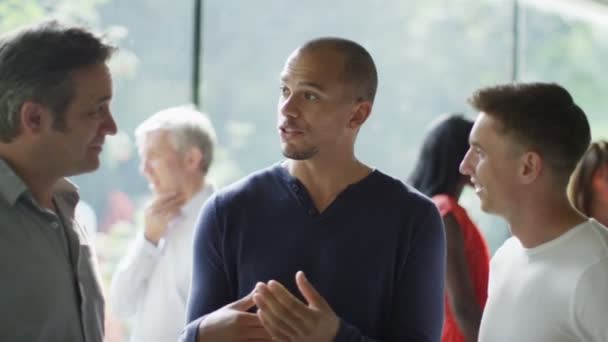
<point x="152" y="281"/>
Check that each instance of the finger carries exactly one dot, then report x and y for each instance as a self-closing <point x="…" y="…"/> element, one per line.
<point x="170" y="205"/>
<point x="165" y="210"/>
<point x="310" y="293"/>
<point x="294" y="306"/>
<point x="170" y="199"/>
<point x="274" y="328"/>
<point x="242" y="304"/>
<point x="287" y="307"/>
<point x="162" y="197"/>
<point x="274" y="316"/>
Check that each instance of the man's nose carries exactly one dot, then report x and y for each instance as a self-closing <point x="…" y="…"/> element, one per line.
<point x="289" y="106"/>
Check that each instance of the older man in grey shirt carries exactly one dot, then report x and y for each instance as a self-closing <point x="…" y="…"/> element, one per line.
<point x="55" y="90"/>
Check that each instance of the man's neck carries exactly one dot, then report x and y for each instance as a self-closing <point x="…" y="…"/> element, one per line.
<point x="535" y="224"/>
<point x="324" y="180"/>
<point x="192" y="186"/>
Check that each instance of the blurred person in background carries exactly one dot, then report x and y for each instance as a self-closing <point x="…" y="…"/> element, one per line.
<point x="152" y="281"/>
<point x="55" y="93"/>
<point x="436" y="175"/>
<point x="588" y="190"/>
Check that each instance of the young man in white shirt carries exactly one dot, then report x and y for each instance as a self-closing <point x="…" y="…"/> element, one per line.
<point x="152" y="281"/>
<point x="548" y="282"/>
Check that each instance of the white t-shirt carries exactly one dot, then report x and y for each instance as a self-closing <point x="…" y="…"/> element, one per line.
<point x="555" y="292"/>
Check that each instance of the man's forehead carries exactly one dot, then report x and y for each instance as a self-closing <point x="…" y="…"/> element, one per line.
<point x="313" y="64"/>
<point x="485" y="122"/>
<point x="482" y="128"/>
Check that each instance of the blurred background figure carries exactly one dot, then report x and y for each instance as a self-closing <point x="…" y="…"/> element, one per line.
<point x="151" y="283"/>
<point x="436" y="175"/>
<point x="120" y="201"/>
<point x="85" y="215"/>
<point x="588" y="189"/>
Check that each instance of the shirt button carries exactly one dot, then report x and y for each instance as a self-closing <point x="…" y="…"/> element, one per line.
<point x="55" y="225"/>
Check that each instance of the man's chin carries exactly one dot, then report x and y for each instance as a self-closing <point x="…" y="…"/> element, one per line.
<point x="299" y="155"/>
<point x="90" y="166"/>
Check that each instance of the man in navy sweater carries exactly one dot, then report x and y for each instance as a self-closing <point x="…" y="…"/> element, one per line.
<point x="320" y="247"/>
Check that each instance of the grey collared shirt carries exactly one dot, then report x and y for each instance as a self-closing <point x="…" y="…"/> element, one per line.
<point x="49" y="284"/>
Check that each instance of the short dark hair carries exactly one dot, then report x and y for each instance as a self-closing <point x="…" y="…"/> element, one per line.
<point x="359" y="67"/>
<point x="444" y="146"/>
<point x="580" y="190"/>
<point x="540" y="116"/>
<point x="35" y="65"/>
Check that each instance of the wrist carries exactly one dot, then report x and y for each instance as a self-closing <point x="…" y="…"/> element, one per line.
<point x="151" y="237"/>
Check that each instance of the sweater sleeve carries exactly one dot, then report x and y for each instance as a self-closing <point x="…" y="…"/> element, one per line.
<point x="417" y="312"/>
<point x="210" y="289"/>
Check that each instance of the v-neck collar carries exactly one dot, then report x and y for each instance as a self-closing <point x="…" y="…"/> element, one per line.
<point x="300" y="192"/>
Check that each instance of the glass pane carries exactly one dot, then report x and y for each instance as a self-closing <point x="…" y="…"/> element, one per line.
<point x="567" y="44"/>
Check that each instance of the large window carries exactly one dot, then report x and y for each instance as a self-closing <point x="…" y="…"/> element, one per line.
<point x="566" y="43"/>
<point x="430" y="56"/>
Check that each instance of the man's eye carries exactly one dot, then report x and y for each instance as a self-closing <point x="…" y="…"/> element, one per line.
<point x="100" y="109"/>
<point x="310" y="96"/>
<point x="284" y="91"/>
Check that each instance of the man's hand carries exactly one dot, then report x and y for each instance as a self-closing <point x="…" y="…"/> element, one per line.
<point x="287" y="319"/>
<point x="159" y="212"/>
<point x="233" y="323"/>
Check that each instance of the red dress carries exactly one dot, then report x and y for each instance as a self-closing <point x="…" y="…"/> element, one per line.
<point x="477" y="257"/>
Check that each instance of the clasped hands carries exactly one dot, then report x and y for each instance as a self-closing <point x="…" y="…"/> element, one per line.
<point x="280" y="316"/>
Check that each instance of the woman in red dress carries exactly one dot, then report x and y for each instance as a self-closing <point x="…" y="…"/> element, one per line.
<point x="436" y="175"/>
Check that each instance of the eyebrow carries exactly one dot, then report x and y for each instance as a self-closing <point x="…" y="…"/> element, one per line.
<point x="312" y="85"/>
<point x="307" y="84"/>
<point x="475" y="144"/>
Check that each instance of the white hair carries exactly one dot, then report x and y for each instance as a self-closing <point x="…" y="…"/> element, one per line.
<point x="187" y="128"/>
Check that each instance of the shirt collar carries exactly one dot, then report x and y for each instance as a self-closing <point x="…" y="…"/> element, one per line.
<point x="11" y="185"/>
<point x="196" y="202"/>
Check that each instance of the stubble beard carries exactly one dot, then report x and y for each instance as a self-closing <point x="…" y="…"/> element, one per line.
<point x="300" y="155"/>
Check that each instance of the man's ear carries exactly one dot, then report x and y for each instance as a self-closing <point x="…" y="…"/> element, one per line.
<point x="360" y="115"/>
<point x="193" y="159"/>
<point x="531" y="167"/>
<point x="32" y="117"/>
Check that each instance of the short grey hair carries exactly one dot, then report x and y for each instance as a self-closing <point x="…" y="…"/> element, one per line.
<point x="36" y="64"/>
<point x="187" y="128"/>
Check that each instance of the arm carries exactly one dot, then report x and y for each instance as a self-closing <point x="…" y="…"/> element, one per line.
<point x="209" y="289"/>
<point x="417" y="313"/>
<point x="130" y="280"/>
<point x="461" y="294"/>
<point x="213" y="312"/>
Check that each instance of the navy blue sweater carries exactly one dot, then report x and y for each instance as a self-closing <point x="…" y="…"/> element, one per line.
<point x="376" y="254"/>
